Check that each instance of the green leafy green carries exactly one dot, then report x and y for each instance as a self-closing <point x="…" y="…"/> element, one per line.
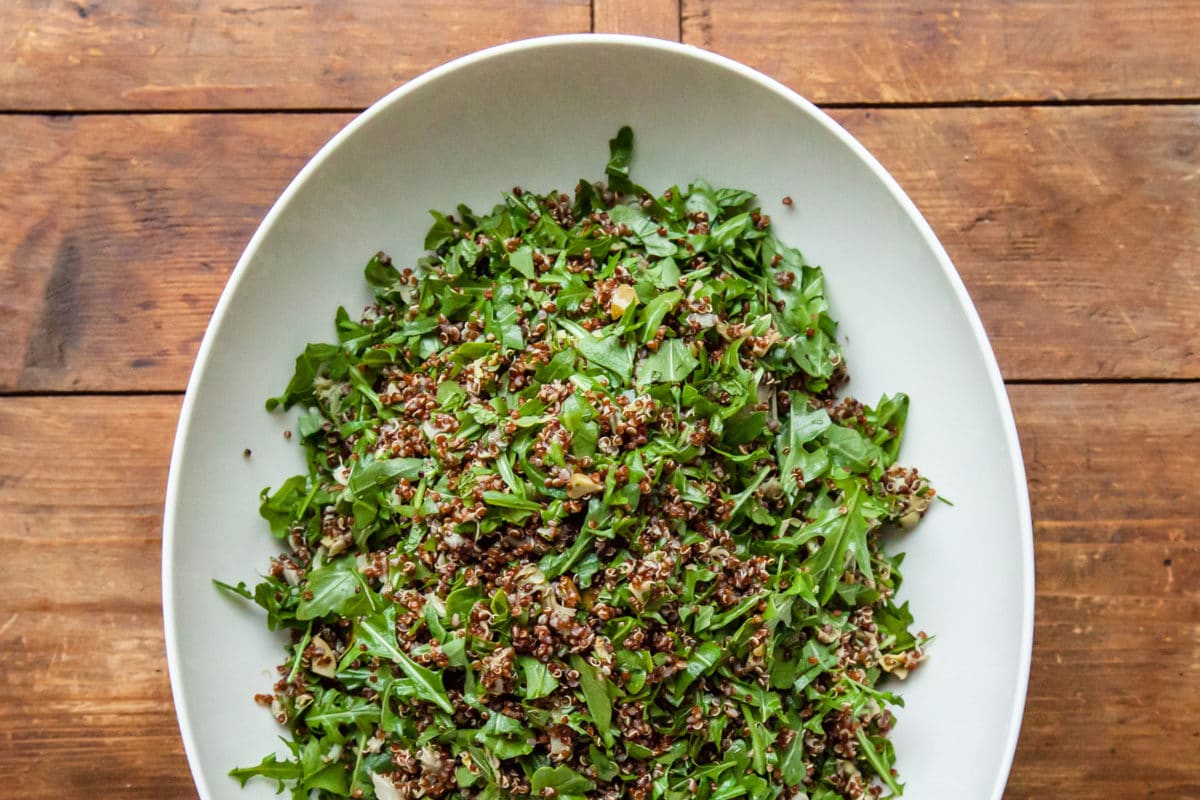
<point x="671" y="364"/>
<point x="336" y="588"/>
<point x="378" y="634"/>
<point x="505" y="737"/>
<point x="270" y="767"/>
<point x="585" y="512"/>
<point x="565" y="782"/>
<point x="538" y="680"/>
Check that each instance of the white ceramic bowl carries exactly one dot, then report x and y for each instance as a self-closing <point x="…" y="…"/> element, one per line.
<point x="539" y="113"/>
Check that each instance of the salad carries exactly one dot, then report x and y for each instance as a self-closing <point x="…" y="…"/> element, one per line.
<point x="587" y="516"/>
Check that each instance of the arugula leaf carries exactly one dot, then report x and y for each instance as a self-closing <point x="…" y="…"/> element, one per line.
<point x="538" y="680"/>
<point x="620" y="157"/>
<point x="376" y="474"/>
<point x="237" y="591"/>
<point x="702" y="661"/>
<point x="791" y="765"/>
<point x="332" y="710"/>
<point x="605" y="351"/>
<point x="851" y="449"/>
<point x="845" y="535"/>
<point x="271" y="768"/>
<point x="595" y="696"/>
<point x="279" y="508"/>
<point x="554" y="565"/>
<point x="877" y="761"/>
<point x="380" y="274"/>
<point x="378" y="633"/>
<point x="521" y="260"/>
<point x="336" y="588"/>
<point x="502" y="500"/>
<point x="505" y="737"/>
<point x="656" y="311"/>
<point x="563" y="780"/>
<point x="308" y="365"/>
<point x="803" y="426"/>
<point x="672" y="363"/>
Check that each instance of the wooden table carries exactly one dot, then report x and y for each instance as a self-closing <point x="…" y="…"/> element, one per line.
<point x="1053" y="145"/>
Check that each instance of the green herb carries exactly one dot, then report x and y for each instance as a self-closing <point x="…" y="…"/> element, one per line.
<point x="586" y="514"/>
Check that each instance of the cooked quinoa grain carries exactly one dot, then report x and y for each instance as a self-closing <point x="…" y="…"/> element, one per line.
<point x="586" y="516"/>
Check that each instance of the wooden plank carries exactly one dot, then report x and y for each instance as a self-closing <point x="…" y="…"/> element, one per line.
<point x="80" y="473"/>
<point x="657" y="18"/>
<point x="883" y="51"/>
<point x="309" y="54"/>
<point x="250" y="53"/>
<point x="1114" y="693"/>
<point x="122" y="233"/>
<point x="1139" y="488"/>
<point x="1077" y="231"/>
<point x="85" y="705"/>
<point x="1113" y="700"/>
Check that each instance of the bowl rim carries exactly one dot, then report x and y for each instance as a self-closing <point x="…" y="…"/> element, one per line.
<point x="397" y="95"/>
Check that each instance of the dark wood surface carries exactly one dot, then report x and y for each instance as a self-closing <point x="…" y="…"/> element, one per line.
<point x="1074" y="229"/>
<point x="915" y="51"/>
<point x="235" y="54"/>
<point x="1054" y="147"/>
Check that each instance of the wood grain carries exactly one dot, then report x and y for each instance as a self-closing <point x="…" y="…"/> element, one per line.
<point x="883" y="51"/>
<point x="97" y="54"/>
<point x="657" y="18"/>
<point x="1077" y="231"/>
<point x="85" y="706"/>
<point x="89" y="712"/>
<point x="1114" y="697"/>
<point x="121" y="234"/>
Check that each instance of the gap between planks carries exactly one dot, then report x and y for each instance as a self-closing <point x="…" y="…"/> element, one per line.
<point x="837" y="106"/>
<point x="1150" y="381"/>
